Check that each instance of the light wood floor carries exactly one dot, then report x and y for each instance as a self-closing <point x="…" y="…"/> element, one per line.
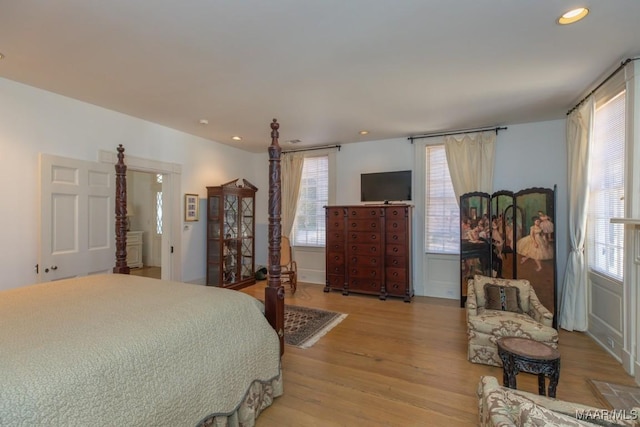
<point x="391" y="363"/>
<point x="153" y="272"/>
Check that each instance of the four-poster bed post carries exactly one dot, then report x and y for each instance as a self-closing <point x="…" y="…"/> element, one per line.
<point x="274" y="293"/>
<point x="121" y="266"/>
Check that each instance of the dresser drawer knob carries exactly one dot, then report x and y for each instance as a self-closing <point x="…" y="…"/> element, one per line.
<point x="395" y="249"/>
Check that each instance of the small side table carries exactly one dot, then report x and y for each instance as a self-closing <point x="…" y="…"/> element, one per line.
<point x="526" y="355"/>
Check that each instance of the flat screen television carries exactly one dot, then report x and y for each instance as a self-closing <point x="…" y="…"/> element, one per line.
<point x="385" y="186"/>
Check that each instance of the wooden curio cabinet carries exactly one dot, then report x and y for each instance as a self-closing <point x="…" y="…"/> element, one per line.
<point x="231" y="235"/>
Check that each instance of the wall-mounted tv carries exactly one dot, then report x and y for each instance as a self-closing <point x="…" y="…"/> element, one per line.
<point x="385" y="186"/>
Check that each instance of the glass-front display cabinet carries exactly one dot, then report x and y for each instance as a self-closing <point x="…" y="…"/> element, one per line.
<point x="231" y="235"/>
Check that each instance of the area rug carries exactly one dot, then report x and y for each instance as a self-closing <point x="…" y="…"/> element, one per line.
<point x="616" y="396"/>
<point x="304" y="326"/>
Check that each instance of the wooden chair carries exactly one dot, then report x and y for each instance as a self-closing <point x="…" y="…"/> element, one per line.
<point x="289" y="268"/>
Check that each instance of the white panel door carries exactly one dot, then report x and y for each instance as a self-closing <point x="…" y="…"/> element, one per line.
<point x="77" y="218"/>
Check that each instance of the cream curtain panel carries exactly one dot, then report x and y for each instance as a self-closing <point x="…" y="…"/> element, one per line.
<point x="292" y="164"/>
<point x="573" y="304"/>
<point x="471" y="159"/>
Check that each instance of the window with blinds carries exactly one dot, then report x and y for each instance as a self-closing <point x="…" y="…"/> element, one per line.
<point x="159" y="204"/>
<point x="309" y="224"/>
<point x="442" y="220"/>
<point x="605" y="241"/>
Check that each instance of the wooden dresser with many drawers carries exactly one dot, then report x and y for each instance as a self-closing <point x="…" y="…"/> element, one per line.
<point x="369" y="250"/>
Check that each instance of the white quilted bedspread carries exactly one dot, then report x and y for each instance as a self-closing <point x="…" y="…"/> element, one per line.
<point x="119" y="350"/>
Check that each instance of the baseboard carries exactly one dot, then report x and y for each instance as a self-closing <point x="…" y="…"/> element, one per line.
<point x="312" y="276"/>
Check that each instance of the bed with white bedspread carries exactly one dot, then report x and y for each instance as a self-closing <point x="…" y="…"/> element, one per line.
<point x="121" y="350"/>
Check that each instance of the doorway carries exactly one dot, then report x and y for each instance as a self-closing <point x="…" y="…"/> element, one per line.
<point x="145" y="218"/>
<point x="171" y="266"/>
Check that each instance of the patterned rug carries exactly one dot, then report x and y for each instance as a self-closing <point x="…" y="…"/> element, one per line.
<point x="304" y="326"/>
<point x="616" y="396"/>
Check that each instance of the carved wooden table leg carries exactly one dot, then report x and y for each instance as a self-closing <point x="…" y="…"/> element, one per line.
<point x="554" y="377"/>
<point x="509" y="370"/>
<point x="525" y="355"/>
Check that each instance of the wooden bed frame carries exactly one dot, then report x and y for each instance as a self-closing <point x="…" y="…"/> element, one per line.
<point x="274" y="293"/>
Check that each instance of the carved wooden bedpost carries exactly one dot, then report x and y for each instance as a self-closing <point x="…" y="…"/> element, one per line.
<point x="274" y="293"/>
<point x="121" y="266"/>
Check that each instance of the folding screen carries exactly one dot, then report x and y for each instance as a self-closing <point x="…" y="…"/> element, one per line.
<point x="510" y="235"/>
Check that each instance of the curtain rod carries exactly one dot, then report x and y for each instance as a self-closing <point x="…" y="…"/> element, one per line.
<point x="456" y="132"/>
<point x="609" y="77"/>
<point x="313" y="148"/>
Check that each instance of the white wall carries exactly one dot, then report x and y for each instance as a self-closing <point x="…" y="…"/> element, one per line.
<point x="35" y="121"/>
<point x="535" y="155"/>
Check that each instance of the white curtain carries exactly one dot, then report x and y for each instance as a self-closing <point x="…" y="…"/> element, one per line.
<point x="291" y="174"/>
<point x="573" y="304"/>
<point x="471" y="159"/>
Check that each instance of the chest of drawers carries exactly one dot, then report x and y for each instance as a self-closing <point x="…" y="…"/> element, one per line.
<point x="369" y="250"/>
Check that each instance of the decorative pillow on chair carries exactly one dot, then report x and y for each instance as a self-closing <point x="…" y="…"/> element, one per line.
<point x="525" y="289"/>
<point x="504" y="298"/>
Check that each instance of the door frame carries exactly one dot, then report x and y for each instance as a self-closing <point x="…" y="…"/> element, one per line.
<point x="171" y="188"/>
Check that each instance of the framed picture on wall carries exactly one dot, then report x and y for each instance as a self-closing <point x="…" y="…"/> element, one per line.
<point x="191" y="204"/>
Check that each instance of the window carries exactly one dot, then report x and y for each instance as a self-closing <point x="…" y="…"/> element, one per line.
<point x="442" y="220"/>
<point x="605" y="241"/>
<point x="159" y="204"/>
<point x="309" y="224"/>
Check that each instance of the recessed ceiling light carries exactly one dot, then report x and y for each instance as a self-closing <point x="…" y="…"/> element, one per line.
<point x="364" y="132"/>
<point x="236" y="138"/>
<point x="573" y="16"/>
<point x="204" y="121"/>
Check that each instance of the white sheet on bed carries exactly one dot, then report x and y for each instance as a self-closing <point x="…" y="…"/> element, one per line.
<point x="119" y="350"/>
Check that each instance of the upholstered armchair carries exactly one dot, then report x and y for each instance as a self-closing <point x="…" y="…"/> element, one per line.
<point x="504" y="308"/>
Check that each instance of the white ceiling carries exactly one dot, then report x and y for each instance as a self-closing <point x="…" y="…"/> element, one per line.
<point x="325" y="68"/>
